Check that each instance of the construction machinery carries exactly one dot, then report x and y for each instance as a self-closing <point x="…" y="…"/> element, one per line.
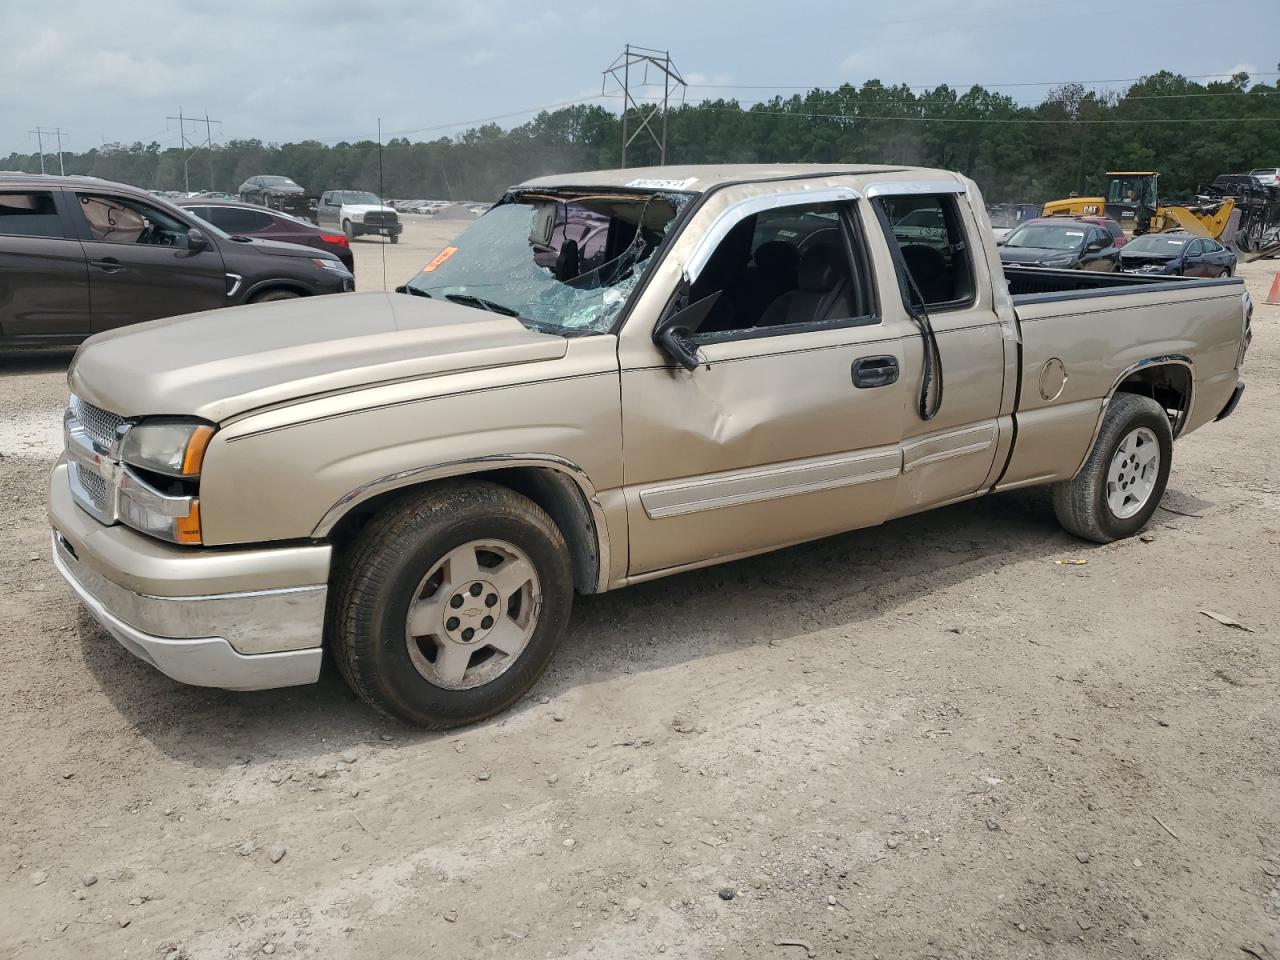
<point x="1132" y="196"/>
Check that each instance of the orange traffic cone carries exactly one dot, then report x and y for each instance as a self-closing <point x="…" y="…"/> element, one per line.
<point x="1273" y="296"/>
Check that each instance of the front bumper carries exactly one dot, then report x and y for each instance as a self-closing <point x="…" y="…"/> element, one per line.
<point x="383" y="229"/>
<point x="235" y="619"/>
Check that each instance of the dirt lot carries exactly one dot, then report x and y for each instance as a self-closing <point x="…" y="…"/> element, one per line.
<point x="921" y="741"/>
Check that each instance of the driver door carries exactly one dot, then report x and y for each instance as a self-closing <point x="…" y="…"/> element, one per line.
<point x="140" y="264"/>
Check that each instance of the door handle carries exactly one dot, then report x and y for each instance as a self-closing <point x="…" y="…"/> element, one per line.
<point x="107" y="265"/>
<point x="875" y="372"/>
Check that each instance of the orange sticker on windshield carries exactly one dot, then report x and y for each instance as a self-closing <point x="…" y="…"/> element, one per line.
<point x="444" y="255"/>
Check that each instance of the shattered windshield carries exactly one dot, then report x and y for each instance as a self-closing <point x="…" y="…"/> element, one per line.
<point x="561" y="264"/>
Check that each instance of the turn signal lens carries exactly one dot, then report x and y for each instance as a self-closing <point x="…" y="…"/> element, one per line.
<point x="187" y="529"/>
<point x="193" y="458"/>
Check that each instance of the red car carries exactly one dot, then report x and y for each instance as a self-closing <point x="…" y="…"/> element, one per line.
<point x="251" y="220"/>
<point x="1116" y="231"/>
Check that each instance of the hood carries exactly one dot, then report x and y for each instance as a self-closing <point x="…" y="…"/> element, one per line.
<point x="366" y="208"/>
<point x="1034" y="254"/>
<point x="277" y="248"/>
<point x="223" y="363"/>
<point x="1154" y="262"/>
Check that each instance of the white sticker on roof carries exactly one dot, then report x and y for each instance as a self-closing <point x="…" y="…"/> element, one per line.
<point x="643" y="184"/>
<point x="1075" y="233"/>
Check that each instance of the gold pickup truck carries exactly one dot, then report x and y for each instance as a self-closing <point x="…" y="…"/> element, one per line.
<point x="609" y="377"/>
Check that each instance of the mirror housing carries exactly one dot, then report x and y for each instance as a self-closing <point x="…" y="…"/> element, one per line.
<point x="672" y="333"/>
<point x="1096" y="245"/>
<point x="196" y="240"/>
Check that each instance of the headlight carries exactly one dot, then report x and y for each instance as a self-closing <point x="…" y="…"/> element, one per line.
<point x="336" y="266"/>
<point x="356" y="216"/>
<point x="174" y="448"/>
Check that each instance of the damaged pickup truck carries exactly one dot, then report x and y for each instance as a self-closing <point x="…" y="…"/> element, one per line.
<point x="607" y="378"/>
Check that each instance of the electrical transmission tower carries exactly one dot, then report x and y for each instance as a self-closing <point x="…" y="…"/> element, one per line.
<point x="626" y="78"/>
<point x="194" y="145"/>
<point x="41" y="133"/>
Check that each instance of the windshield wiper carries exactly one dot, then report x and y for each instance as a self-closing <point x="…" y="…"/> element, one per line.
<point x="405" y="288"/>
<point x="467" y="300"/>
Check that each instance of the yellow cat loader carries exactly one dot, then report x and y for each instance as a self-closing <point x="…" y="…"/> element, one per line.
<point x="1131" y="195"/>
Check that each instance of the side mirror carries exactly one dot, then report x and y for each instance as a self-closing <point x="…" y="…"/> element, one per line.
<point x="196" y="240"/>
<point x="673" y="332"/>
<point x="1001" y="241"/>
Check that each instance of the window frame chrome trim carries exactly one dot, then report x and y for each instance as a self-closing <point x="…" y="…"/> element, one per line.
<point x="732" y="215"/>
<point x="900" y="188"/>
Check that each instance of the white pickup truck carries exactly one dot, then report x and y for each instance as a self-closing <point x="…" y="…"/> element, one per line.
<point x="741" y="357"/>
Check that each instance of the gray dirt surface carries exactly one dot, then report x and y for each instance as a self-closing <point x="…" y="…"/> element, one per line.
<point x="893" y="743"/>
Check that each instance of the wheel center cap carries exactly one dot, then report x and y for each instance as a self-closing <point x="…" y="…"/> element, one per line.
<point x="471" y="612"/>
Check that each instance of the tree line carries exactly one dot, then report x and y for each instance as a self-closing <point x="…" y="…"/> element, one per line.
<point x="1187" y="131"/>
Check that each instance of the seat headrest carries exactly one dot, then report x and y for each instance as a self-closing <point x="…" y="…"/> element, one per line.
<point x="820" y="268"/>
<point x="776" y="256"/>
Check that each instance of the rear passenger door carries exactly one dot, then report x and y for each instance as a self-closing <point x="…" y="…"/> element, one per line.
<point x="44" y="281"/>
<point x="952" y="455"/>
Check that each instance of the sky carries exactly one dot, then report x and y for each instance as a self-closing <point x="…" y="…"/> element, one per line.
<point x="282" y="70"/>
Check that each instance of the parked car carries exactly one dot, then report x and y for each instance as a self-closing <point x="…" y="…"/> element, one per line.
<point x="249" y="220"/>
<point x="1177" y="253"/>
<point x="420" y="481"/>
<point x="80" y="255"/>
<point x="1062" y="244"/>
<point x="278" y="193"/>
<point x="1268" y="175"/>
<point x="358" y="213"/>
<point x="1111" y="226"/>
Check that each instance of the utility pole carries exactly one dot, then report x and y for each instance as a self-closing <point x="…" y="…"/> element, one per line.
<point x="195" y="147"/>
<point x="41" y="133"/>
<point x="620" y="70"/>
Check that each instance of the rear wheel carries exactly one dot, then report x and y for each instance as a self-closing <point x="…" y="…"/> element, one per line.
<point x="450" y="604"/>
<point x="1124" y="477"/>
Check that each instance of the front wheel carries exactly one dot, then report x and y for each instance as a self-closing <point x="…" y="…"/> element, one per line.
<point x="1124" y="477"/>
<point x="449" y="605"/>
<point x="348" y="231"/>
<point x="395" y="238"/>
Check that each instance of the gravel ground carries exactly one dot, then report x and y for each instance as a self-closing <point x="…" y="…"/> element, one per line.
<point x="924" y="740"/>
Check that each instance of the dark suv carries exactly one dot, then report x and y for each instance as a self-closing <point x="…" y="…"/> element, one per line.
<point x="80" y="255"/>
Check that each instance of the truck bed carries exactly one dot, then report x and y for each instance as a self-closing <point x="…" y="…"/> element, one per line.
<point x="1038" y="285"/>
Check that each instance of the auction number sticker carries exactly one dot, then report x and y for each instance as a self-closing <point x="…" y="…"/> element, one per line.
<point x="441" y="257"/>
<point x="663" y="184"/>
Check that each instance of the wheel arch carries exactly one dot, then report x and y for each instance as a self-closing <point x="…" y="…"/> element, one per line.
<point x="1169" y="379"/>
<point x="558" y="486"/>
<point x="277" y="283"/>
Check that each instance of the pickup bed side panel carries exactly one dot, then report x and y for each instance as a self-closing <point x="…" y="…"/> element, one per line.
<point x="265" y="479"/>
<point x="1096" y="339"/>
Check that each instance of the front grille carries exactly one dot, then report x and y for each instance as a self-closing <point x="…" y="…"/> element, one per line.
<point x="380" y="217"/>
<point x="101" y="425"/>
<point x="93" y="484"/>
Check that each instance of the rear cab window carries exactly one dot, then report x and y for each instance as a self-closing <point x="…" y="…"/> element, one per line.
<point x="30" y="213"/>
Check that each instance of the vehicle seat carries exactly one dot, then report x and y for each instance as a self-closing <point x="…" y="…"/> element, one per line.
<point x="928" y="268"/>
<point x="822" y="290"/>
<point x="567" y="261"/>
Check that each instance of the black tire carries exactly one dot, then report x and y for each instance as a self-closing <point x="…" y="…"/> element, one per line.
<point x="268" y="295"/>
<point x="395" y="238"/>
<point x="348" y="231"/>
<point x="1081" y="503"/>
<point x="377" y="579"/>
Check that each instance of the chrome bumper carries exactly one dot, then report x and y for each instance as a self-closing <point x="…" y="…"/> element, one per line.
<point x="194" y="614"/>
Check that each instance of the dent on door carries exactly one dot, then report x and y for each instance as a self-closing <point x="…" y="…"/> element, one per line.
<point x="759" y="449"/>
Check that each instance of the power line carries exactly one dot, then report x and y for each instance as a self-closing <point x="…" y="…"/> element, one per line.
<point x="925" y="86"/>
